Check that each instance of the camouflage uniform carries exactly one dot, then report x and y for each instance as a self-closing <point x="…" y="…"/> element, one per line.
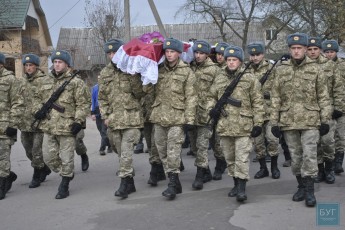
<point x="119" y="101"/>
<point x="75" y="99"/>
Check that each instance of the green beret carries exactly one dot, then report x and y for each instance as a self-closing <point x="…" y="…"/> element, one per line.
<point x="330" y="45"/>
<point x="31" y="58"/>
<point x="297" y="39"/>
<point x="234" y="51"/>
<point x="256" y="48"/>
<point x="202" y="46"/>
<point x="112" y="45"/>
<point x="174" y="44"/>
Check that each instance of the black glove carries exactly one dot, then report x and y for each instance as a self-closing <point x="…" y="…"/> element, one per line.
<point x="324" y="128"/>
<point x="214" y="114"/>
<point x="336" y="114"/>
<point x="11" y="132"/>
<point x="276" y="131"/>
<point x="40" y="115"/>
<point x="189" y="127"/>
<point x="256" y="131"/>
<point x="76" y="127"/>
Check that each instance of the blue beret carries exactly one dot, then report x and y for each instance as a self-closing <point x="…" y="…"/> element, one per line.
<point x="330" y="45"/>
<point x="31" y="58"/>
<point x="220" y="47"/>
<point x="256" y="48"/>
<point x="174" y="44"/>
<point x="314" y="41"/>
<point x="202" y="46"/>
<point x="2" y="58"/>
<point x="297" y="39"/>
<point x="234" y="51"/>
<point x="112" y="45"/>
<point x="62" y="55"/>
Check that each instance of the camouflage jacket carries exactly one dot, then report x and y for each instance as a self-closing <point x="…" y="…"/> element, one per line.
<point x="222" y="65"/>
<point x="31" y="86"/>
<point x="239" y="120"/>
<point x="259" y="72"/>
<point x="175" y="95"/>
<point x="119" y="98"/>
<point x="205" y="73"/>
<point x="75" y="100"/>
<point x="146" y="104"/>
<point x="299" y="96"/>
<point x="11" y="101"/>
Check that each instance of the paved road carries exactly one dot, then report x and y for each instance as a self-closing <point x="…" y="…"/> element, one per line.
<point x="93" y="206"/>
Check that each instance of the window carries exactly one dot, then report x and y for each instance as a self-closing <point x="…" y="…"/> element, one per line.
<point x="271" y="34"/>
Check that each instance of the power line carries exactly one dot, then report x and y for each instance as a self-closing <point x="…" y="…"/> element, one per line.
<point x="64" y="14"/>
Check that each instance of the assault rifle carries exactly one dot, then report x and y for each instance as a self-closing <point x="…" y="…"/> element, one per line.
<point x="224" y="99"/>
<point x="45" y="109"/>
<point x="268" y="72"/>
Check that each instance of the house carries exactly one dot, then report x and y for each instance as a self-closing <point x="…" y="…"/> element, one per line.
<point x="23" y="29"/>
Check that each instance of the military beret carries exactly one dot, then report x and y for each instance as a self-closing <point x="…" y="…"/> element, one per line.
<point x="256" y="48"/>
<point x="62" y="55"/>
<point x="234" y="51"/>
<point x="31" y="58"/>
<point x="202" y="46"/>
<point x="314" y="41"/>
<point x="174" y="44"/>
<point x="297" y="39"/>
<point x="220" y="47"/>
<point x="2" y="59"/>
<point x="112" y="45"/>
<point x="330" y="45"/>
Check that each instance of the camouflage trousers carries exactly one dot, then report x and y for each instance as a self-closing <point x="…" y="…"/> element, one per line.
<point x="32" y="143"/>
<point x="124" y="141"/>
<point x="169" y="141"/>
<point x="201" y="136"/>
<point x="340" y="135"/>
<point x="80" y="147"/>
<point x="266" y="142"/>
<point x="5" y="152"/>
<point x="236" y="152"/>
<point x="215" y="143"/>
<point x="326" y="145"/>
<point x="149" y="131"/>
<point x="303" y="148"/>
<point x="192" y="134"/>
<point x="60" y="154"/>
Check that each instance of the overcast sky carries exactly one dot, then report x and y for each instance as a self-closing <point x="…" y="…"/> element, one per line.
<point x="140" y="13"/>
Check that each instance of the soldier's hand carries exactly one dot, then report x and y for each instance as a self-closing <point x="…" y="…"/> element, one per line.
<point x="276" y="131"/>
<point x="324" y="129"/>
<point x="40" y="115"/>
<point x="336" y="114"/>
<point x="106" y="122"/>
<point x="75" y="128"/>
<point x="11" y="132"/>
<point x="256" y="131"/>
<point x="93" y="117"/>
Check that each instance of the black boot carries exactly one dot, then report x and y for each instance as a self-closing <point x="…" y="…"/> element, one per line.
<point x="299" y="195"/>
<point x="321" y="173"/>
<point x="44" y="173"/>
<point x="241" y="192"/>
<point x="207" y="175"/>
<point x="9" y="180"/>
<point x="199" y="179"/>
<point x="153" y="180"/>
<point x="160" y="172"/>
<point x="329" y="173"/>
<point x="174" y="186"/>
<point x="233" y="192"/>
<point x="181" y="166"/>
<point x="131" y="186"/>
<point x="263" y="172"/>
<point x="219" y="169"/>
<point x="310" y="200"/>
<point x="123" y="190"/>
<point x="139" y="148"/>
<point x="63" y="188"/>
<point x="338" y="162"/>
<point x="2" y="187"/>
<point x="274" y="167"/>
<point x="35" y="182"/>
<point x="84" y="162"/>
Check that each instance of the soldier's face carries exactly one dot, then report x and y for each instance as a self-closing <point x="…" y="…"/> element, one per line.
<point x="200" y="56"/>
<point x="233" y="63"/>
<point x="256" y="58"/>
<point x="172" y="56"/>
<point x="30" y="68"/>
<point x="330" y="54"/>
<point x="220" y="58"/>
<point x="59" y="66"/>
<point x="111" y="55"/>
<point x="298" y="51"/>
<point x="313" y="52"/>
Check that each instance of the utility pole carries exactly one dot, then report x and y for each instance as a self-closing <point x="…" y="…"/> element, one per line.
<point x="127" y="21"/>
<point x="158" y="19"/>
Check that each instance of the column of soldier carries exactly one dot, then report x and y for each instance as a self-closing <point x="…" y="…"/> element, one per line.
<point x="239" y="105"/>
